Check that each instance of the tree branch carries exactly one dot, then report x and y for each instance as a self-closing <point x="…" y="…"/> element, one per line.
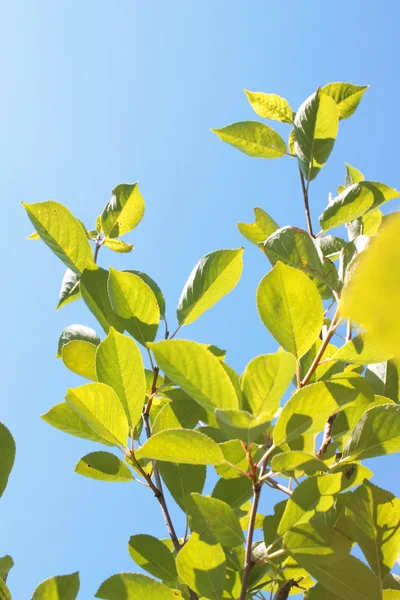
<point x="250" y="532"/>
<point x="306" y="204"/>
<point x="335" y="323"/>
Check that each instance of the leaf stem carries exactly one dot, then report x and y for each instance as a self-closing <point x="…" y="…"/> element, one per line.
<point x="334" y="324"/>
<point x="249" y="543"/>
<point x="304" y="187"/>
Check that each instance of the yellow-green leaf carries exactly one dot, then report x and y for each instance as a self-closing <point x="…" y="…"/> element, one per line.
<point x="118" y="245"/>
<point x="214" y="276"/>
<point x="62" y="233"/>
<point x="61" y="587"/>
<point x="315" y="130"/>
<point x="125" y="586"/>
<point x="79" y="357"/>
<point x="253" y="138"/>
<point x="261" y="229"/>
<point x="119" y="364"/>
<point x="7" y="454"/>
<point x="361" y="350"/>
<point x="346" y="95"/>
<point x="270" y="106"/>
<point x="124" y="211"/>
<point x="290" y="307"/>
<point x="103" y="466"/>
<point x="101" y="408"/>
<point x="63" y="417"/>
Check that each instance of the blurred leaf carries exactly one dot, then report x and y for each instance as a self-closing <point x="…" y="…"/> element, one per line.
<point x="290" y="308"/>
<point x="361" y="350"/>
<point x="6" y="564"/>
<point x="384" y="379"/>
<point x="371" y="297"/>
<point x="7" y="454"/>
<point x="214" y="276"/>
<point x="124" y="211"/>
<point x="253" y="138"/>
<point x="103" y="466"/>
<point x="61" y="232"/>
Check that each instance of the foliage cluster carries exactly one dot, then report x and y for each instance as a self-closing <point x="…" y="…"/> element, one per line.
<point x="168" y="410"/>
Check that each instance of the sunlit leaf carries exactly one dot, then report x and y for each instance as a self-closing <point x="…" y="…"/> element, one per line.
<point x="125" y="586"/>
<point x="182" y="446"/>
<point x="93" y="287"/>
<point x="346" y="95"/>
<point x="262" y="228"/>
<point x="118" y="245"/>
<point x="69" y="288"/>
<point x="153" y="556"/>
<point x="376" y="434"/>
<point x="253" y="138"/>
<point x="63" y="417"/>
<point x="214" y="520"/>
<point x="62" y="587"/>
<point x="103" y="466"/>
<point x="124" y="210"/>
<point x="79" y="357"/>
<point x="77" y="332"/>
<point x="270" y="106"/>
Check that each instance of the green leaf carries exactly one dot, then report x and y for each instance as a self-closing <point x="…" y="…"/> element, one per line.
<point x="234" y="492"/>
<point x="5" y="593"/>
<point x="270" y="106"/>
<point x="376" y="434"/>
<point x="61" y="232"/>
<point x="297" y="461"/>
<point x="61" y="587"/>
<point x="253" y="138"/>
<point x="69" y="288"/>
<point x="182" y="446"/>
<point x="34" y="236"/>
<point x="181" y="479"/>
<point x="153" y="556"/>
<point x="263" y="227"/>
<point x="290" y="307"/>
<point x="154" y="286"/>
<point x="234" y="454"/>
<point x="315" y="539"/>
<point x="355" y="201"/>
<point x="315" y="130"/>
<point x="361" y="350"/>
<point x="7" y="456"/>
<point x="125" y="586"/>
<point x="266" y="379"/>
<point x="202" y="567"/>
<point x="372" y="521"/>
<point x="80" y="358"/>
<point x="296" y="248"/>
<point x="93" y="287"/>
<point x="353" y="474"/>
<point x="271" y="523"/>
<point x="326" y="369"/>
<point x="353" y="175"/>
<point x="134" y="300"/>
<point x="384" y="379"/>
<point x="6" y="564"/>
<point x="314" y="495"/>
<point x="310" y="407"/>
<point x="350" y="579"/>
<point x="330" y="246"/>
<point x="241" y="425"/>
<point x="368" y="224"/>
<point x="118" y="245"/>
<point x="346" y="95"/>
<point x="182" y="412"/>
<point x="213" y="520"/>
<point x="63" y="417"/>
<point x="77" y="332"/>
<point x="197" y="371"/>
<point x="103" y="466"/>
<point x="320" y="593"/>
<point x="124" y="211"/>
<point x="101" y="408"/>
<point x="213" y="277"/>
<point x="119" y="364"/>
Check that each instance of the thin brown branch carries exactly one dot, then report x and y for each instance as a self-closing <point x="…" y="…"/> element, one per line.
<point x="334" y="324"/>
<point x="274" y="484"/>
<point x="349" y="330"/>
<point x="304" y="187"/>
<point x="249" y="543"/>
<point x="327" y="436"/>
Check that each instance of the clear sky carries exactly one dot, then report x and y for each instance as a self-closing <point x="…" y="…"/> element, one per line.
<point x="98" y="93"/>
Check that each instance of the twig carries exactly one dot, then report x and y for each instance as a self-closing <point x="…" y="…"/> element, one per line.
<point x="250" y="532"/>
<point x="306" y="204"/>
<point x="175" y="332"/>
<point x="327" y="436"/>
<point x="274" y="484"/>
<point x="334" y="324"/>
<point x="166" y="329"/>
<point x="348" y="331"/>
<point x="266" y="455"/>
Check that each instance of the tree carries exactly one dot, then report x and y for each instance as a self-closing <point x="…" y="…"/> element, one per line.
<point x="188" y="410"/>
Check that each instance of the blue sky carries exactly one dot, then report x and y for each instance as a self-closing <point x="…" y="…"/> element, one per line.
<point x="99" y="93"/>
